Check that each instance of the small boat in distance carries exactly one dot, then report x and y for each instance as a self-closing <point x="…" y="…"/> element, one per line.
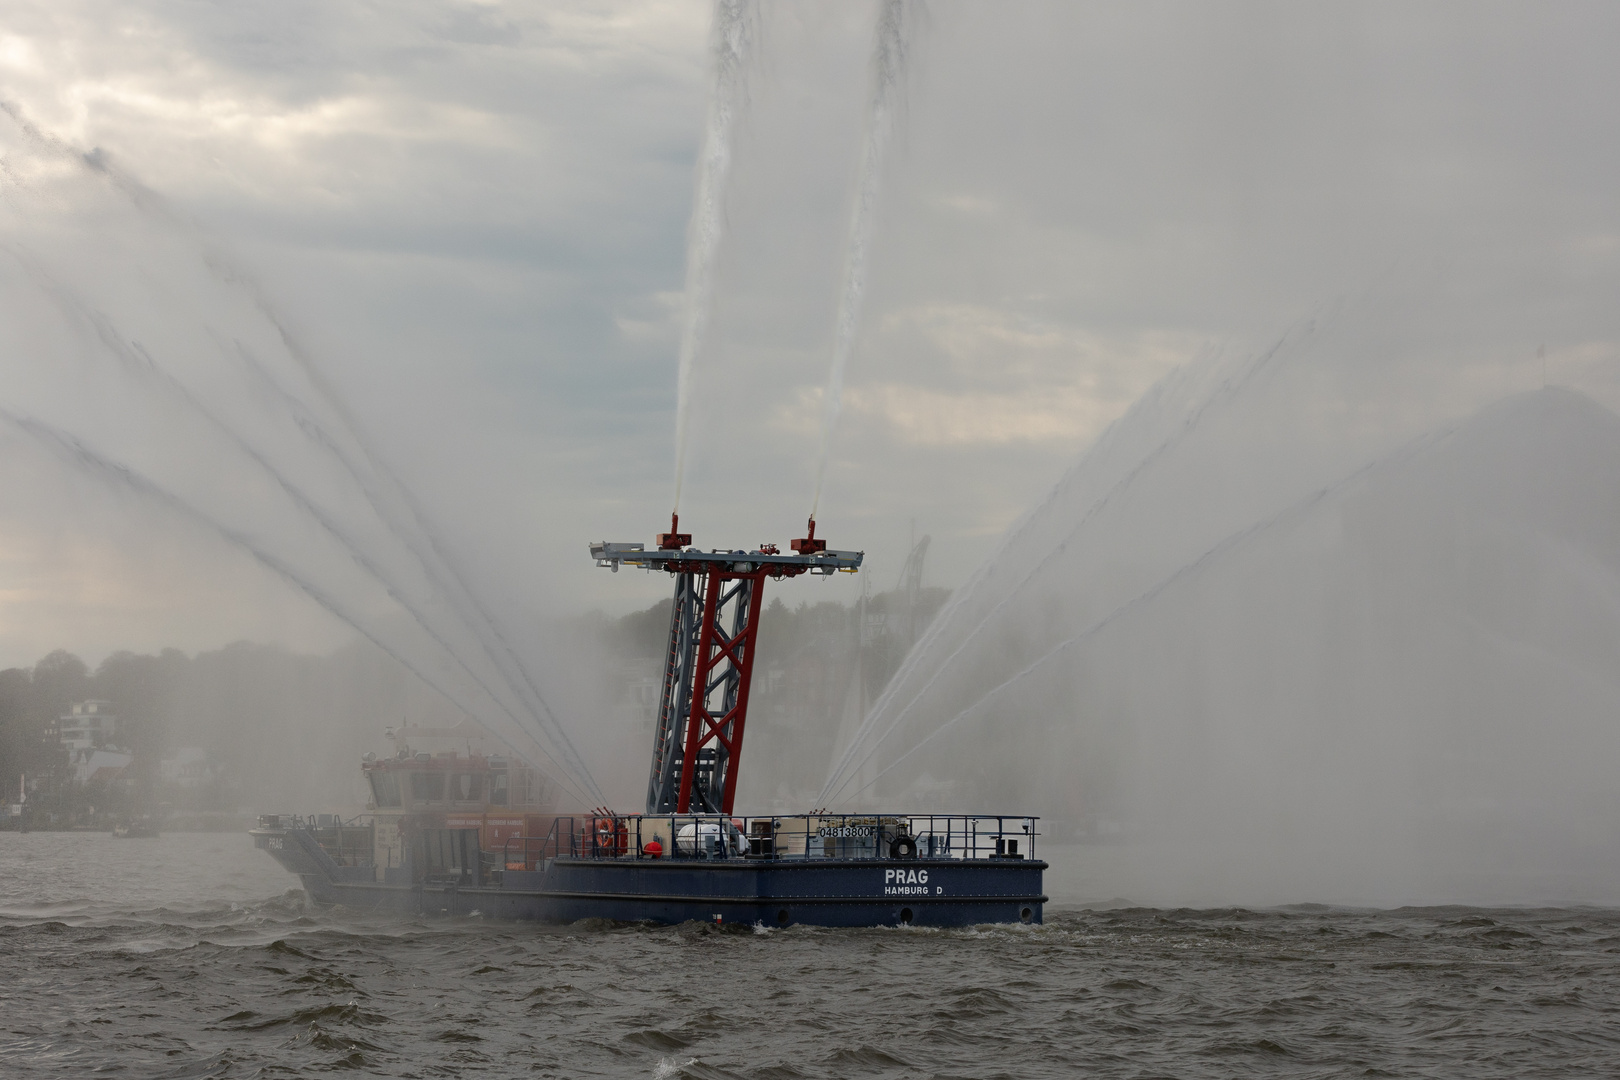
<point x="136" y="829"/>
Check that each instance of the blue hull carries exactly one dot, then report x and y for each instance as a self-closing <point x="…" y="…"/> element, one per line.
<point x="772" y="892"/>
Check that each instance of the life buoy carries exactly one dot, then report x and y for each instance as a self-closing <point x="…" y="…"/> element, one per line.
<point x="612" y="837"/>
<point x="902" y="847"/>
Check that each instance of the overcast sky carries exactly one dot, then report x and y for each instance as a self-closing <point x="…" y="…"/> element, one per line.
<point x="474" y="215"/>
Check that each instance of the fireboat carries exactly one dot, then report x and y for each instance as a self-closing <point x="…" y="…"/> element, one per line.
<point x="479" y="833"/>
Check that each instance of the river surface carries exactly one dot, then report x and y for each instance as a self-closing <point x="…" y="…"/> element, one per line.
<point x="190" y="956"/>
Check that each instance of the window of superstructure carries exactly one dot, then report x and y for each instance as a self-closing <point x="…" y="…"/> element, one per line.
<point x="385" y="787"/>
<point x="427" y="786"/>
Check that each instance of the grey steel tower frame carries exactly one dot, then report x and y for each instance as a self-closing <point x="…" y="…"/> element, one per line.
<point x="708" y="662"/>
<point x="696" y="691"/>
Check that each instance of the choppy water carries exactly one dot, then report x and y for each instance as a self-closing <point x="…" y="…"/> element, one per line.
<point x="188" y="956"/>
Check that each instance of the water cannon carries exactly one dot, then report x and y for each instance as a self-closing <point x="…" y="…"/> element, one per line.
<point x="674" y="540"/>
<point x="810" y="545"/>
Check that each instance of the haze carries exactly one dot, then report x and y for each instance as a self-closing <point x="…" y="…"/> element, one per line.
<point x="1303" y="246"/>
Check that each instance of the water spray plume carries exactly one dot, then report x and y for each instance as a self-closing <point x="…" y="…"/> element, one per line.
<point x="888" y="71"/>
<point x="77" y="455"/>
<point x="731" y="46"/>
<point x="148" y="327"/>
<point x="1165" y="416"/>
<point x="1058" y="651"/>
<point x="1332" y="622"/>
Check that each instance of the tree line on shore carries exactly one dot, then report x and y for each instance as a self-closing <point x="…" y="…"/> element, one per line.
<point x="284" y="731"/>
<point x="270" y="721"/>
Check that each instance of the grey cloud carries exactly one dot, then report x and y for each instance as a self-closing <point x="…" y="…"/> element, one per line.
<point x="475" y="238"/>
<point x="469" y="25"/>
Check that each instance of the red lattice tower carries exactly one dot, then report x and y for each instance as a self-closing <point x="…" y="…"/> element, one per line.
<point x="709" y="661"/>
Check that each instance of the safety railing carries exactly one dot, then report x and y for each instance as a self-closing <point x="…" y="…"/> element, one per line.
<point x="347" y="843"/>
<point x="962" y="837"/>
<point x="531" y="852"/>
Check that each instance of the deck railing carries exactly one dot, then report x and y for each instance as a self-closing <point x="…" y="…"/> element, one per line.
<point x="341" y="840"/>
<point x="962" y="837"/>
<point x="779" y="836"/>
<point x="531" y="852"/>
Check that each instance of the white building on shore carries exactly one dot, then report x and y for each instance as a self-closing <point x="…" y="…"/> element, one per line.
<point x="86" y="731"/>
<point x="87" y="725"/>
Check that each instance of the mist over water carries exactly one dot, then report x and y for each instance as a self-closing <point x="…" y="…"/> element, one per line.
<point x="1328" y="622"/>
<point x="147" y="361"/>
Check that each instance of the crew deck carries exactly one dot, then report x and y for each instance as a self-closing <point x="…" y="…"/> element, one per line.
<point x="819" y="869"/>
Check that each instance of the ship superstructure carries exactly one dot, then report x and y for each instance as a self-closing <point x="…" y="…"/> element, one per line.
<point x="444" y="796"/>
<point x="458" y="833"/>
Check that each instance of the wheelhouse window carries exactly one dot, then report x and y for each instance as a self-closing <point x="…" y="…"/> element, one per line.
<point x="536" y="795"/>
<point x="466" y="787"/>
<point x="427" y="786"/>
<point x="497" y="789"/>
<point x="384" y="787"/>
